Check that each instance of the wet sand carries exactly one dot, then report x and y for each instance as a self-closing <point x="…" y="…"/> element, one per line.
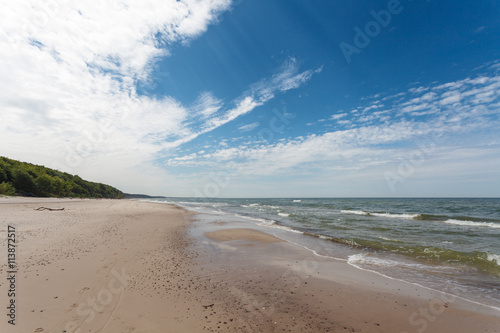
<point x="282" y="287"/>
<point x="127" y="266"/>
<point x="241" y="233"/>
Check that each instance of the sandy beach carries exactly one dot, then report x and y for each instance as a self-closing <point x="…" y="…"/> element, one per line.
<point x="129" y="266"/>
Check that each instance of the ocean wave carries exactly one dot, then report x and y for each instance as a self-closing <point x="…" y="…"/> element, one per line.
<point x="256" y="219"/>
<point x="251" y="205"/>
<point x="365" y="259"/>
<point x="484" y="261"/>
<point x="493" y="258"/>
<point x="350" y="242"/>
<point x="355" y="212"/>
<point x="391" y="240"/>
<point x="283" y="214"/>
<point x="279" y="226"/>
<point x="297" y="200"/>
<point x="399" y="216"/>
<point x="269" y="223"/>
<point x="473" y="224"/>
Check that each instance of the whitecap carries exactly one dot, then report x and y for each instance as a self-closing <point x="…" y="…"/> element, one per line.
<point x="355" y="212"/>
<point x="494" y="258"/>
<point x="397" y="216"/>
<point x="473" y="224"/>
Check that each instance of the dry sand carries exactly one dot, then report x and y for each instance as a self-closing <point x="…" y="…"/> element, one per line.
<point x="127" y="266"/>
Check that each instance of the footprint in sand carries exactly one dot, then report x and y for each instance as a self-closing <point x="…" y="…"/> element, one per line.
<point x="39" y="329"/>
<point x="84" y="290"/>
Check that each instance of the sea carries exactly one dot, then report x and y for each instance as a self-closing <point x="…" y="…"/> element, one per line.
<point x="433" y="243"/>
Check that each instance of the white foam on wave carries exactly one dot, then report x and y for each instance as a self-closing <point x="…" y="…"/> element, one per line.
<point x="325" y="237"/>
<point x="251" y="205"/>
<point x="355" y="212"/>
<point x="283" y="214"/>
<point x="297" y="200"/>
<point x="390" y="239"/>
<point x="398" y="216"/>
<point x="494" y="257"/>
<point x="356" y="259"/>
<point x="364" y="259"/>
<point x="281" y="227"/>
<point x="269" y="224"/>
<point x="473" y="224"/>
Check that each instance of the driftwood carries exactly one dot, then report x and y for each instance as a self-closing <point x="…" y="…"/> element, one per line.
<point x="208" y="306"/>
<point x="51" y="209"/>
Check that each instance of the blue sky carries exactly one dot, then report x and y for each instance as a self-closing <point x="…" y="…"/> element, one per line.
<point x="257" y="98"/>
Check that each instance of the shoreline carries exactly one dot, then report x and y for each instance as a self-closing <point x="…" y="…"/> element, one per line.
<point x="400" y="306"/>
<point x="148" y="267"/>
<point x="429" y="255"/>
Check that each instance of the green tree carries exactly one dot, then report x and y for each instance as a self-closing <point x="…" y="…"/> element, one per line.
<point x="5" y="172"/>
<point x="44" y="185"/>
<point x="30" y="178"/>
<point x="7" y="189"/>
<point x="78" y="190"/>
<point x="58" y="185"/>
<point x="23" y="181"/>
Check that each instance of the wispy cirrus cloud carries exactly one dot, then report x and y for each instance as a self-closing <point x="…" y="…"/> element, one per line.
<point x="286" y="78"/>
<point x="377" y="135"/>
<point x="248" y="127"/>
<point x="206" y="105"/>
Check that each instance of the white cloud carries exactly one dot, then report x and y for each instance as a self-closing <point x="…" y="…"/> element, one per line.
<point x="450" y="98"/>
<point x="206" y="105"/>
<point x="68" y="67"/>
<point x="338" y="116"/>
<point x="68" y="72"/>
<point x="288" y="77"/>
<point x="377" y="140"/>
<point x="418" y="90"/>
<point x="373" y="106"/>
<point x="249" y="127"/>
<point x="244" y="106"/>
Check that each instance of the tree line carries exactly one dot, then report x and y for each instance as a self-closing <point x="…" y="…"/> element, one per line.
<point x="21" y="178"/>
